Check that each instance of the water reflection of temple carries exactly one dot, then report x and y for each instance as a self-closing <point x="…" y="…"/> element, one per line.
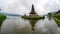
<point x="33" y="22"/>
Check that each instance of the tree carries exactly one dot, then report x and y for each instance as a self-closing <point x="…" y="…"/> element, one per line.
<point x="49" y="15"/>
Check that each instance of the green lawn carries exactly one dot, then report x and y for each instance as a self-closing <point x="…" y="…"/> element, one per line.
<point x="33" y="17"/>
<point x="57" y="19"/>
<point x="2" y="18"/>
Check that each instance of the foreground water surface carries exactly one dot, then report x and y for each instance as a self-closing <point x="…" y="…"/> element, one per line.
<point x="17" y="25"/>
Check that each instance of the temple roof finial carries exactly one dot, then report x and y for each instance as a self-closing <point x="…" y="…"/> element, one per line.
<point x="32" y="10"/>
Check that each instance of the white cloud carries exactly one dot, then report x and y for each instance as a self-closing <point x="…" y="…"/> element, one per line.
<point x="24" y="6"/>
<point x="46" y="6"/>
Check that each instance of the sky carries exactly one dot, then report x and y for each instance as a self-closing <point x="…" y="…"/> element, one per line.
<point x="24" y="6"/>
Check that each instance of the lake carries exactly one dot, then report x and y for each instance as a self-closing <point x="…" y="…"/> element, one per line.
<point x="17" y="25"/>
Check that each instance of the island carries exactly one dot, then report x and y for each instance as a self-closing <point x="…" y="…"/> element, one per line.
<point x="33" y="15"/>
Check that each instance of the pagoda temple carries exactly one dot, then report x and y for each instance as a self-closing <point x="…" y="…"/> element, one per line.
<point x="32" y="13"/>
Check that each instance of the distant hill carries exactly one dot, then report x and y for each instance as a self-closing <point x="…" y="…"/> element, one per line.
<point x="53" y="13"/>
<point x="9" y="14"/>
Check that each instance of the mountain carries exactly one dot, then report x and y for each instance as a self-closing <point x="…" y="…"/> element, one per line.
<point x="53" y="13"/>
<point x="9" y="14"/>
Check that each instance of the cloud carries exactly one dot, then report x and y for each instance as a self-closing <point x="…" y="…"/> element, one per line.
<point x="45" y="6"/>
<point x="24" y="6"/>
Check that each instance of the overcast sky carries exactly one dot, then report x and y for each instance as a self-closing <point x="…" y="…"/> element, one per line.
<point x="24" y="6"/>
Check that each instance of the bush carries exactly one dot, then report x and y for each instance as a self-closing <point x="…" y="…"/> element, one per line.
<point x="49" y="13"/>
<point x="57" y="16"/>
<point x="2" y="18"/>
<point x="57" y="19"/>
<point x="33" y="17"/>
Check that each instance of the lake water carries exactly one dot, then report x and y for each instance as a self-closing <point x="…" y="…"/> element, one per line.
<point x="17" y="25"/>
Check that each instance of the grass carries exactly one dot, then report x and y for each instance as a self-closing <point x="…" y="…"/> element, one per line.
<point x="57" y="19"/>
<point x="33" y="17"/>
<point x="2" y="18"/>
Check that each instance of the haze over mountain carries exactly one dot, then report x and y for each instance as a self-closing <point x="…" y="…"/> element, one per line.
<point x="24" y="6"/>
<point x="9" y="14"/>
